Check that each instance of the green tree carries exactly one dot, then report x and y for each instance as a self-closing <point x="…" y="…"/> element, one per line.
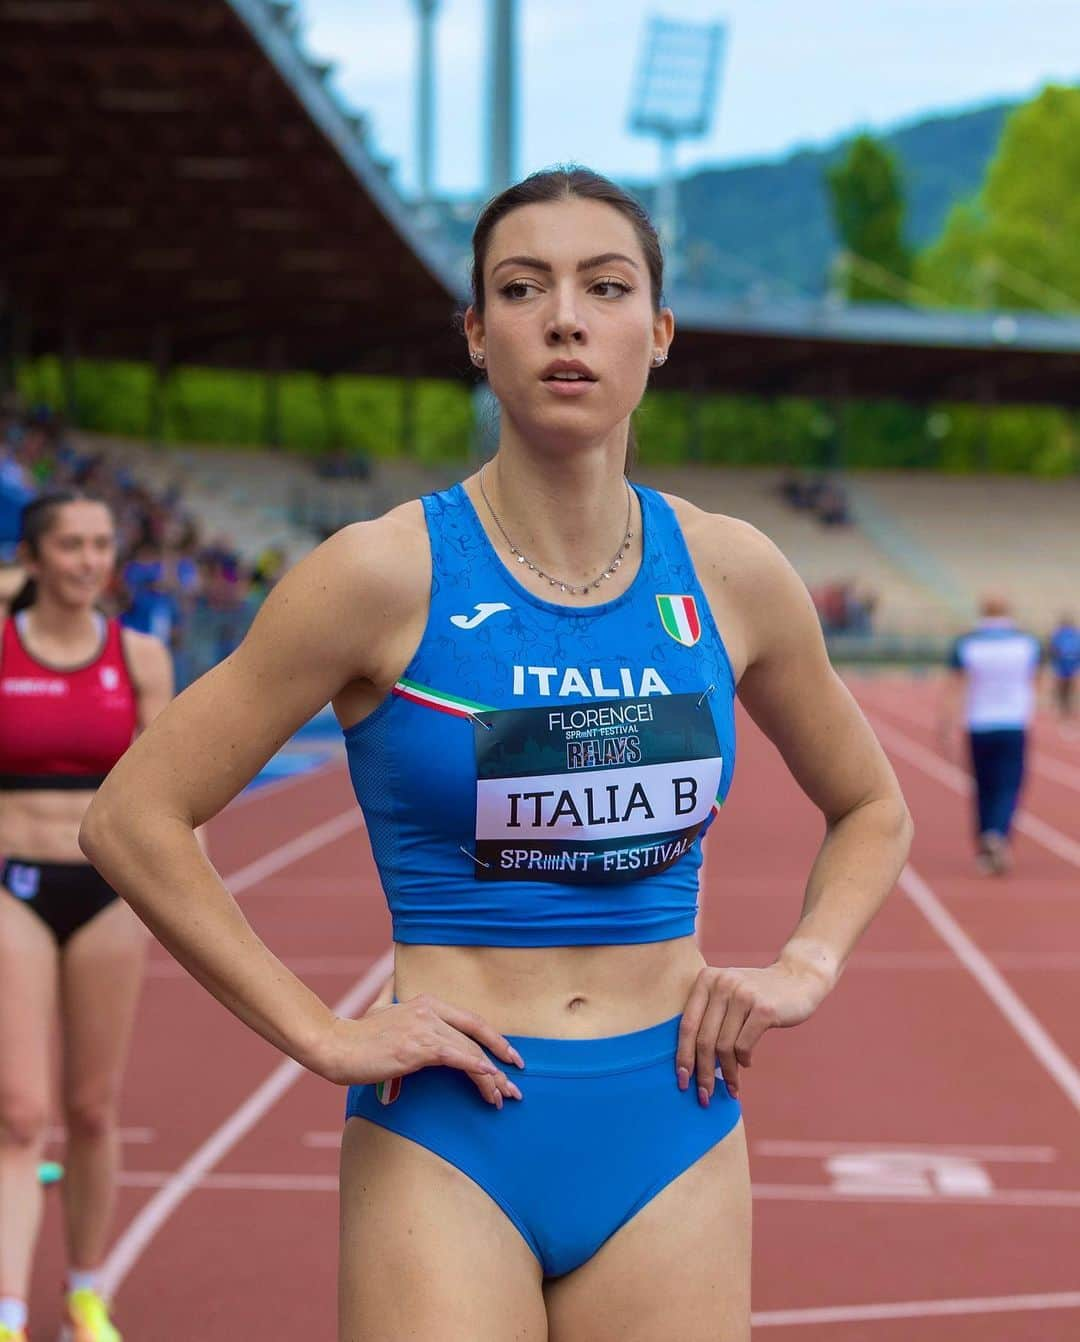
<point x="1017" y="244"/>
<point x="866" y="196"/>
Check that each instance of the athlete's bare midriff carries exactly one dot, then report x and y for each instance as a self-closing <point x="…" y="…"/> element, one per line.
<point x="557" y="992"/>
<point x="43" y="825"/>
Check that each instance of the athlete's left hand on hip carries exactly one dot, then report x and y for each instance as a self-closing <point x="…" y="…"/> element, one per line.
<point x="728" y="1011"/>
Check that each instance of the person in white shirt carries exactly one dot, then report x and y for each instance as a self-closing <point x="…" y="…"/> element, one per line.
<point x="991" y="693"/>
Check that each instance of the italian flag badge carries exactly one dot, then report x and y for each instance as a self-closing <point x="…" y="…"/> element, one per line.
<point x="679" y="615"/>
<point x="388" y="1091"/>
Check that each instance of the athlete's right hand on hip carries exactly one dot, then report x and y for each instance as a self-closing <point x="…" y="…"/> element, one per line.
<point x="395" y="1040"/>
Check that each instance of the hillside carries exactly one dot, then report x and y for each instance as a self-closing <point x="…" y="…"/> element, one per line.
<point x="773" y="218"/>
<point x="767" y="224"/>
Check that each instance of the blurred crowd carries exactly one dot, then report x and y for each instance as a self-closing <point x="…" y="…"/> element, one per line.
<point x="193" y="592"/>
<point x="823" y="496"/>
<point x="845" y="607"/>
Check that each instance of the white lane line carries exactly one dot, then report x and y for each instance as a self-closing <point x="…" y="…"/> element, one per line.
<point x="237" y="1183"/>
<point x="328" y="1183"/>
<point x="126" y="1136"/>
<point x="322" y="1140"/>
<point x="1038" y="761"/>
<point x="303" y="845"/>
<point x="915" y="1309"/>
<point x="1050" y="838"/>
<point x="279" y="785"/>
<point x="131" y="1244"/>
<point x="302" y="886"/>
<point x="311" y="964"/>
<point x="882" y="961"/>
<point x="1008" y="1002"/>
<point x="1069" y="960"/>
<point x="1000" y="1197"/>
<point x="1025" y="1155"/>
<point x="1060" y="773"/>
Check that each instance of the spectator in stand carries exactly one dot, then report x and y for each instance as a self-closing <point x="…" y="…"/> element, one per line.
<point x="992" y="693"/>
<point x="831" y="505"/>
<point x="831" y="605"/>
<point x="268" y="569"/>
<point x="16" y="491"/>
<point x="221" y="613"/>
<point x="791" y="488"/>
<point x="860" y="605"/>
<point x="1064" y="658"/>
<point x="152" y="606"/>
<point x="157" y="544"/>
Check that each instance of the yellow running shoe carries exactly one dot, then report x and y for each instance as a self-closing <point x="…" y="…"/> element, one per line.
<point x="11" y="1334"/>
<point x="88" y="1319"/>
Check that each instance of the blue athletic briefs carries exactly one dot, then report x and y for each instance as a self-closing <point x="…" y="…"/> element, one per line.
<point x="601" y="1130"/>
<point x="541" y="774"/>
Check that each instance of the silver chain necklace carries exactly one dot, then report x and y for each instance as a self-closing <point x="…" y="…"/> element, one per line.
<point x="574" y="588"/>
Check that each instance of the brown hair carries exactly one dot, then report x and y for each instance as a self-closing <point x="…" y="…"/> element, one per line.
<point x="565" y="183"/>
<point x="38" y="518"/>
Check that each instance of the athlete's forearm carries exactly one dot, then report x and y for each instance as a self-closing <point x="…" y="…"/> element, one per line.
<point x="159" y="868"/>
<point x="856" y="867"/>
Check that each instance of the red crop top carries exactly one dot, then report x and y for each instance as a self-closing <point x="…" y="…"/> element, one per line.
<point x="63" y="728"/>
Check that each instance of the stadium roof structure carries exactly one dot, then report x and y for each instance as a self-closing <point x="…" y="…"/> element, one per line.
<point x="808" y="348"/>
<point x="182" y="185"/>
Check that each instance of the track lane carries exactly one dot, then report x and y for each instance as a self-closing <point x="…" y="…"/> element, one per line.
<point x="906" y="1051"/>
<point x="893" y="1056"/>
<point x="212" y="1063"/>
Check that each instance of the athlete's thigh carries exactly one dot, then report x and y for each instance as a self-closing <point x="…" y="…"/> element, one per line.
<point x="101" y="969"/>
<point x="425" y="1253"/>
<point x="28" y="976"/>
<point x="679" y="1269"/>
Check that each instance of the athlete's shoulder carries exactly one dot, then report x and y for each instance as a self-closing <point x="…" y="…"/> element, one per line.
<point x="745" y="572"/>
<point x="730" y="546"/>
<point x="365" y="576"/>
<point x="390" y="553"/>
<point x="146" y="656"/>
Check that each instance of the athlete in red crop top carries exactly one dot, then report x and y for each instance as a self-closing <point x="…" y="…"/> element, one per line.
<point x="74" y="689"/>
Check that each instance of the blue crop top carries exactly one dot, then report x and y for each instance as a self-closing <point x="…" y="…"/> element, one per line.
<point x="542" y="774"/>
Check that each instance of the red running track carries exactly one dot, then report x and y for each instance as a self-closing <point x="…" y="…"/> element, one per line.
<point x="915" y="1147"/>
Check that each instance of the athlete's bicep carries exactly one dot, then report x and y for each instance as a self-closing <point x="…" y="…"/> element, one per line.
<point x="312" y="636"/>
<point x="791" y="691"/>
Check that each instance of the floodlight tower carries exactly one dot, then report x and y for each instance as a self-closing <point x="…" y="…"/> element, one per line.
<point x="674" y="99"/>
<point x="425" y="101"/>
<point x="502" y="94"/>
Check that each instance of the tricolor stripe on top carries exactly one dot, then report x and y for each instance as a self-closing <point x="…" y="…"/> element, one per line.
<point x="439" y="699"/>
<point x="679" y="615"/>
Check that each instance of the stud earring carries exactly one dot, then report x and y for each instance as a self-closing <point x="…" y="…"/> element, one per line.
<point x="659" y="361"/>
<point x="477" y="357"/>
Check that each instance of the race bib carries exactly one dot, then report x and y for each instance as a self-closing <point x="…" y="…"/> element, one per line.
<point x="593" y="793"/>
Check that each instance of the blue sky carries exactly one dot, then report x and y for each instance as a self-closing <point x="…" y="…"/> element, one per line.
<point x="796" y="72"/>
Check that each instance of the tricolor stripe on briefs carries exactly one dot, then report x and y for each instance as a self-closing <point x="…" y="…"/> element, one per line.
<point x="445" y="703"/>
<point x="388" y="1091"/>
<point x="680" y="618"/>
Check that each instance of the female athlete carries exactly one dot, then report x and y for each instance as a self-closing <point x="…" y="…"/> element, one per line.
<point x="536" y="673"/>
<point x="74" y="689"/>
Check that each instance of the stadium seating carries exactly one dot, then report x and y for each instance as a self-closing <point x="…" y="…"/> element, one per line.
<point x="1013" y="533"/>
<point x="946" y="532"/>
<point x="820" y="554"/>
